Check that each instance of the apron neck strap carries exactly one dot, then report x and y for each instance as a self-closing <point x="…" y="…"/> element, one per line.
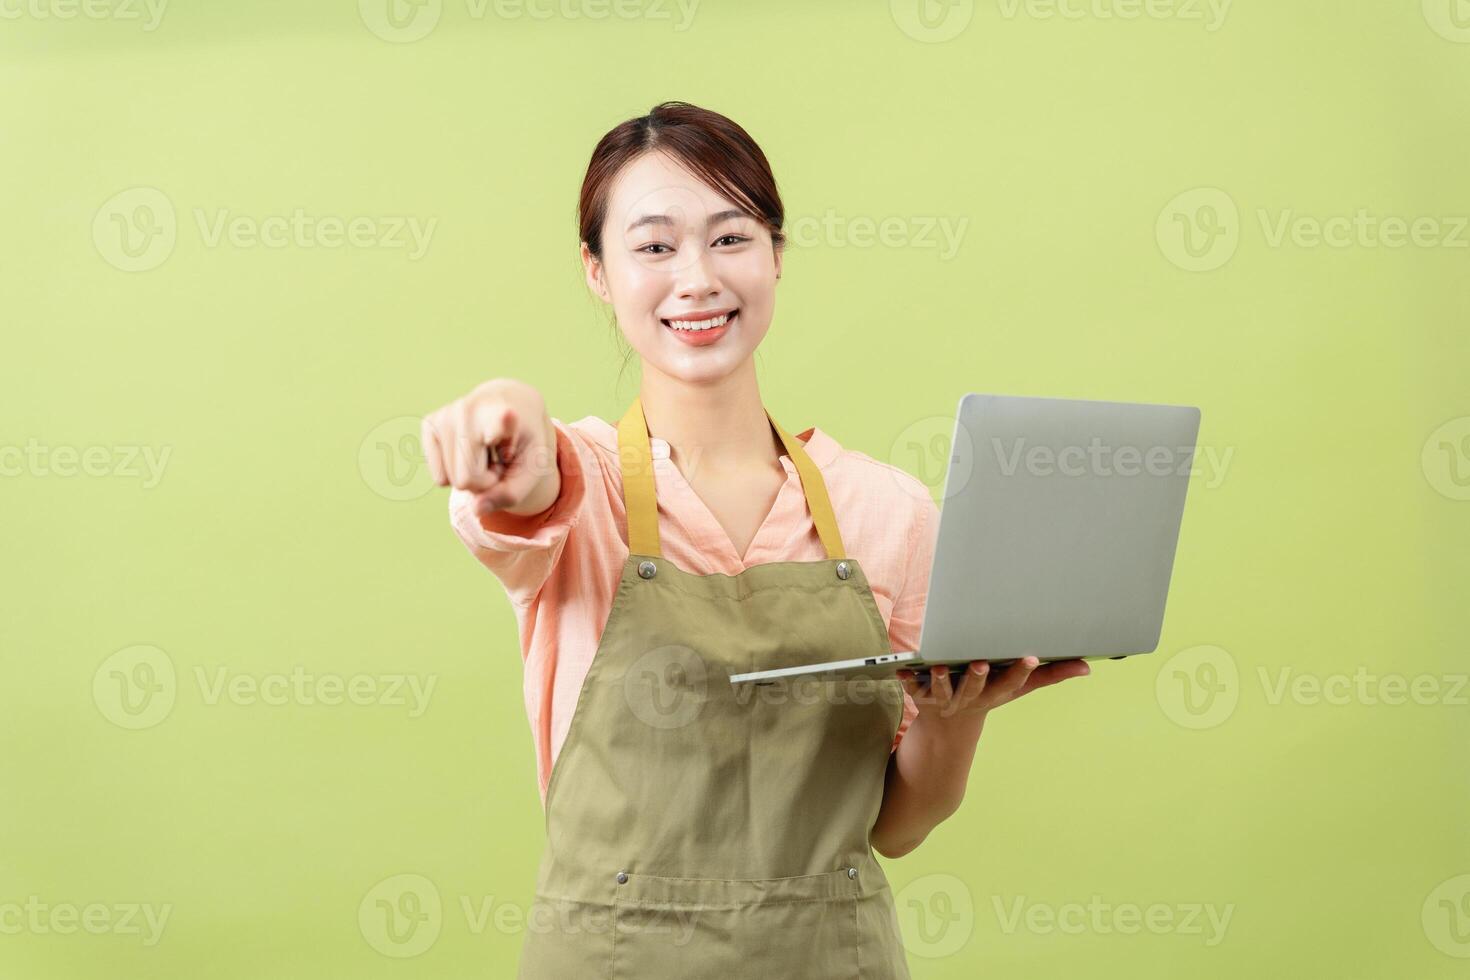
<point x="635" y="457"/>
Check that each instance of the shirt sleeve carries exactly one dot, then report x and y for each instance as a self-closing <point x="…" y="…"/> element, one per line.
<point x="908" y="609"/>
<point x="522" y="550"/>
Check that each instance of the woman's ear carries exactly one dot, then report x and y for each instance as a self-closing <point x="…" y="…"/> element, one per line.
<point x="780" y="250"/>
<point x="592" y="269"/>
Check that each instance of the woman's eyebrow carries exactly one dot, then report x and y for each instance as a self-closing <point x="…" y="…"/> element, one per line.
<point x="663" y="219"/>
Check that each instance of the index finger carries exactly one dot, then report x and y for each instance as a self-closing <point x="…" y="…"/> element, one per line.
<point x="496" y="422"/>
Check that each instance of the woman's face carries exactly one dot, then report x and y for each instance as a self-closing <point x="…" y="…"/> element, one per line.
<point x="677" y="254"/>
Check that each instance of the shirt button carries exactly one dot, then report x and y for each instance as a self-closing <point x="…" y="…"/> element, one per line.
<point x="647" y="569"/>
<point x="843" y="570"/>
<point x="852" y="872"/>
<point x="622" y="877"/>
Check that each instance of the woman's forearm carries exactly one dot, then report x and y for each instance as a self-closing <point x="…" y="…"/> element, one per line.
<point x="925" y="784"/>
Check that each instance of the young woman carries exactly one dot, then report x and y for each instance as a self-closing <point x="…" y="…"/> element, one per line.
<point x="695" y="829"/>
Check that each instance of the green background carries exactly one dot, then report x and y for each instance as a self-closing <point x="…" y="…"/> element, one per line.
<point x="292" y="527"/>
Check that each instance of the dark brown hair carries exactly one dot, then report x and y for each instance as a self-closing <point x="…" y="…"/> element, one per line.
<point x="715" y="149"/>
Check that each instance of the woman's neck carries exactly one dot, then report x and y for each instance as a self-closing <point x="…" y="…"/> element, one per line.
<point x="721" y="425"/>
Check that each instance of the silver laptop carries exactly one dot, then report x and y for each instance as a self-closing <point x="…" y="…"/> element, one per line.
<point x="1057" y="532"/>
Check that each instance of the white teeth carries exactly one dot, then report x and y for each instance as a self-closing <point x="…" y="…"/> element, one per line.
<point x="718" y="321"/>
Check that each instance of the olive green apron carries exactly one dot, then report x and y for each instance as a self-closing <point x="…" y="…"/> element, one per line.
<point x="696" y="829"/>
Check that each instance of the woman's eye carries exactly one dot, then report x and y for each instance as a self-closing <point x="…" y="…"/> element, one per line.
<point x="653" y="245"/>
<point x="732" y="239"/>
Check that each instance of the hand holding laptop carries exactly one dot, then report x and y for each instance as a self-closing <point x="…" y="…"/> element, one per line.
<point x="981" y="686"/>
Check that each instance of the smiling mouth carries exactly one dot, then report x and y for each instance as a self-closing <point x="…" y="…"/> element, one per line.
<point x="701" y="325"/>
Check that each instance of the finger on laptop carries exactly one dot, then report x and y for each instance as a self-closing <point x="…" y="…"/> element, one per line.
<point x="942" y="687"/>
<point x="1054" y="673"/>
<point x="975" y="676"/>
<point x="1012" y="679"/>
<point x="912" y="688"/>
<point x="922" y="693"/>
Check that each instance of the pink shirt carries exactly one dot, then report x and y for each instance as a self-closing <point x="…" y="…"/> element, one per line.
<point x="561" y="568"/>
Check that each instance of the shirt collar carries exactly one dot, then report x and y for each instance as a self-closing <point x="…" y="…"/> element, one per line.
<point x="821" y="447"/>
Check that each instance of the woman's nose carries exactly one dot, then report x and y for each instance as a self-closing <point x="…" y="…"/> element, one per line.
<point x="698" y="277"/>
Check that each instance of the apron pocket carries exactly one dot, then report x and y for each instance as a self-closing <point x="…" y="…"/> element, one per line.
<point x="720" y="928"/>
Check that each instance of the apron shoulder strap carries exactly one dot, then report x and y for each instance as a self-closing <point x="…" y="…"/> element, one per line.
<point x="635" y="458"/>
